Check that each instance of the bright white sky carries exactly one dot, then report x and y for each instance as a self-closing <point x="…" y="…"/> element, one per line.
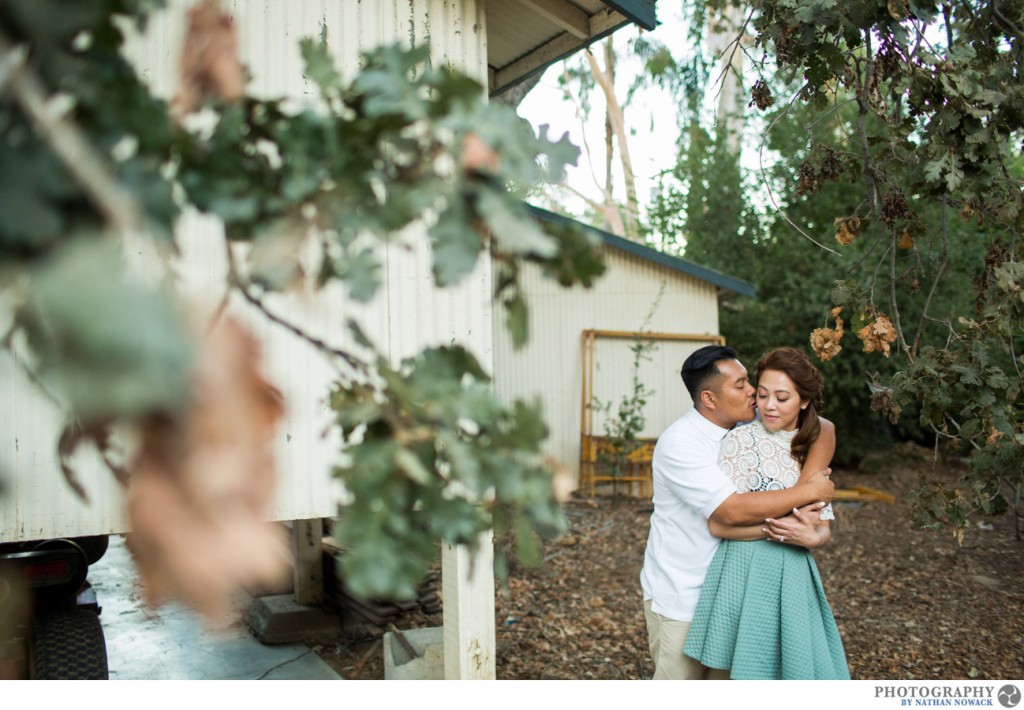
<point x="651" y="118"/>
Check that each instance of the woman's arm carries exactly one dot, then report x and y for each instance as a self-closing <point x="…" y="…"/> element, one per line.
<point x="803" y="528"/>
<point x="819" y="456"/>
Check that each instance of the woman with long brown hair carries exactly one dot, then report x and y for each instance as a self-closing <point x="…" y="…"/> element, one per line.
<point x="762" y="612"/>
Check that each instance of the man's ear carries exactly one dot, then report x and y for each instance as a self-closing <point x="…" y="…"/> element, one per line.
<point x="707" y="398"/>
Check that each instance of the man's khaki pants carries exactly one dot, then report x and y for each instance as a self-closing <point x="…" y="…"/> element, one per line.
<point x="666" y="638"/>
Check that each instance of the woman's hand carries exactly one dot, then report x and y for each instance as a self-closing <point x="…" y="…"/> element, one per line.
<point x="802" y="528"/>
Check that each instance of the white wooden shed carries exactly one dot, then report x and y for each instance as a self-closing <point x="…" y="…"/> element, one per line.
<point x="500" y="42"/>
<point x="579" y="333"/>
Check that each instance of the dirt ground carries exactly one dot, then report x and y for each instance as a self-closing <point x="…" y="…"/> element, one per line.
<point x="910" y="604"/>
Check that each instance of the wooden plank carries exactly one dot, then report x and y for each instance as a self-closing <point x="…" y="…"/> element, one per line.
<point x="564" y="14"/>
<point x="631" y="335"/>
<point x="307" y="549"/>
<point x="564" y="44"/>
<point x="863" y="493"/>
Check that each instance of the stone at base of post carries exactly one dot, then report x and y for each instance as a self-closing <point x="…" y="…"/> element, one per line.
<point x="281" y="619"/>
<point x="428" y="662"/>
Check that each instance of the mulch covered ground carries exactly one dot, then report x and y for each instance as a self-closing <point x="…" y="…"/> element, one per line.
<point x="910" y="604"/>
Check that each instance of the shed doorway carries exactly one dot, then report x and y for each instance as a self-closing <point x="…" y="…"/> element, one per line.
<point x="631" y="392"/>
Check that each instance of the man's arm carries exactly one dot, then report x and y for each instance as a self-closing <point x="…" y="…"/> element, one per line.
<point x="748" y="516"/>
<point x="801" y="529"/>
<point x="733" y="532"/>
<point x="754" y="508"/>
<point x="806" y="527"/>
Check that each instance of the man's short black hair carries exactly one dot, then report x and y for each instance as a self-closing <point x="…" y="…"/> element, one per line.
<point x="701" y="368"/>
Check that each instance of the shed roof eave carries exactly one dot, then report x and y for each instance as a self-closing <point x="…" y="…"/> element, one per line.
<point x="724" y="282"/>
<point x="641" y="12"/>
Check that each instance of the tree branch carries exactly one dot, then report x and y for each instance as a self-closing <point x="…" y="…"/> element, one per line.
<point x="619" y="126"/>
<point x="1006" y="21"/>
<point x="331" y="353"/>
<point x="86" y="166"/>
<point x="893" y="305"/>
<point x="864" y="108"/>
<point x="767" y="184"/>
<point x="935" y="282"/>
<point x="733" y="46"/>
<point x="608" y="209"/>
<point x="580" y="116"/>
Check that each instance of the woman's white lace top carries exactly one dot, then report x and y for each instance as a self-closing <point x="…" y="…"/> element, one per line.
<point x="760" y="460"/>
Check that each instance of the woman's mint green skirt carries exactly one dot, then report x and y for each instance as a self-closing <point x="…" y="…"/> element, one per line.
<point x="763" y="615"/>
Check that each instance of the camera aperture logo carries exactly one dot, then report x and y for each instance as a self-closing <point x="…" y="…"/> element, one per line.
<point x="1008" y="696"/>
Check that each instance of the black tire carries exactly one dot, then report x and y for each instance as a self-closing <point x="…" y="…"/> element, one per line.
<point x="69" y="645"/>
<point x="94" y="547"/>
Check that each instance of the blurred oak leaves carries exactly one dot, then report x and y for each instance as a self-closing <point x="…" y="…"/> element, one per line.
<point x="431" y="454"/>
<point x="111" y="345"/>
<point x="403" y="143"/>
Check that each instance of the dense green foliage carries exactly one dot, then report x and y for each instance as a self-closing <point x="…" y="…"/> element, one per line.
<point x="431" y="454"/>
<point x="794" y="276"/>
<point x="889" y="209"/>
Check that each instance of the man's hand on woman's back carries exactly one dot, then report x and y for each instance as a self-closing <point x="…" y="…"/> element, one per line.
<point x="819" y="486"/>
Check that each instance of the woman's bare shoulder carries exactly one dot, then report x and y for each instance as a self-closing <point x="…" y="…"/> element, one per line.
<point x="827" y="427"/>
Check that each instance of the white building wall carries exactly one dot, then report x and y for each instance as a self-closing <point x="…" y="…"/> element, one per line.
<point x="409" y="314"/>
<point x="550" y="367"/>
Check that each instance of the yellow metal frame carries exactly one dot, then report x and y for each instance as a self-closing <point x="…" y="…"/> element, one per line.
<point x="637" y="479"/>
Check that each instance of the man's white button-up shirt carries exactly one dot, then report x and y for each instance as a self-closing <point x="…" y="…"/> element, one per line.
<point x="688" y="487"/>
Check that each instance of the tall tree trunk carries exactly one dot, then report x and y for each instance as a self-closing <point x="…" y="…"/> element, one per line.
<point x="724" y="41"/>
<point x="614" y="116"/>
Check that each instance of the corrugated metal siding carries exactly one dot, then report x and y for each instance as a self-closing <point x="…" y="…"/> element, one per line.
<point x="409" y="314"/>
<point x="35" y="501"/>
<point x="550" y="367"/>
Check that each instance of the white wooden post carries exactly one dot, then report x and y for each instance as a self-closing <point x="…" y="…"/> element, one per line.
<point x="467" y="582"/>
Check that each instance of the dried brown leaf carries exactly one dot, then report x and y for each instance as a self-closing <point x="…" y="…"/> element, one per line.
<point x="210" y="66"/>
<point x="878" y="334"/>
<point x="202" y="481"/>
<point x="478" y="156"/>
<point x="825" y="341"/>
<point x="848" y="229"/>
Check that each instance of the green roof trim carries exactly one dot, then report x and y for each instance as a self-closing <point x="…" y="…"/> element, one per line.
<point x="653" y="255"/>
<point x="641" y="12"/>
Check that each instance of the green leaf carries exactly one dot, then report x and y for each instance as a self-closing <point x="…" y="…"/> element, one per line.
<point x="517" y="320"/>
<point x="514" y="230"/>
<point x="527" y="547"/>
<point x="408" y="462"/>
<point x="319" y="66"/>
<point x="456" y="247"/>
<point x="114" y="346"/>
<point x="358" y="335"/>
<point x="560" y="154"/>
<point x="361" y="273"/>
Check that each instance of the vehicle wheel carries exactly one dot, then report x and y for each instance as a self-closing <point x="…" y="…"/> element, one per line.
<point x="69" y="645"/>
<point x="94" y="547"/>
